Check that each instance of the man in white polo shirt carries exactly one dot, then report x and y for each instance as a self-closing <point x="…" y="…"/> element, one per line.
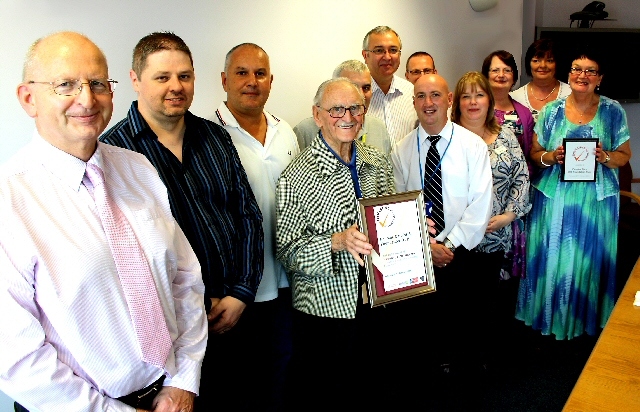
<point x="266" y="145"/>
<point x="391" y="98"/>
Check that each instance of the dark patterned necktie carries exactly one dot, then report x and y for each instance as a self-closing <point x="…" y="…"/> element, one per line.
<point x="433" y="184"/>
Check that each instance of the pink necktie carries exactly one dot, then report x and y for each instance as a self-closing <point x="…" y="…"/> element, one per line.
<point x="135" y="276"/>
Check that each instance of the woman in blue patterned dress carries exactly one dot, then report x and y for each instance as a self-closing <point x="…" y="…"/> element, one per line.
<point x="473" y="108"/>
<point x="573" y="233"/>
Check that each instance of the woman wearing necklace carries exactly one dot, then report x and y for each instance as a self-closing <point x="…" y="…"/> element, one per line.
<point x="573" y="227"/>
<point x="540" y="64"/>
<point x="473" y="108"/>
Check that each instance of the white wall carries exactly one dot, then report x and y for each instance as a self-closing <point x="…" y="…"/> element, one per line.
<point x="623" y="14"/>
<point x="305" y="39"/>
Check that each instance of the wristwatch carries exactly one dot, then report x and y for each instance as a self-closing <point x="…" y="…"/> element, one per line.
<point x="447" y="243"/>
<point x="606" y="159"/>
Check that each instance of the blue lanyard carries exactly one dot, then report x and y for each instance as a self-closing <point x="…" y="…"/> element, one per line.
<point x="421" y="172"/>
<point x="351" y="165"/>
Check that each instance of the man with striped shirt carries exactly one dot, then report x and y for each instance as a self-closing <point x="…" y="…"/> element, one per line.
<point x="391" y="98"/>
<point x="209" y="194"/>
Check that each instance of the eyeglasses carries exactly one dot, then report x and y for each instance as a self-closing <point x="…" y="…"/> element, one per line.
<point x="505" y="70"/>
<point x="379" y="51"/>
<point x="338" y="112"/>
<point x="417" y="72"/>
<point x="73" y="87"/>
<point x="588" y="72"/>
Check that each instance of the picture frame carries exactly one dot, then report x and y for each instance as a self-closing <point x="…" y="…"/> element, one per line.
<point x="400" y="265"/>
<point x="580" y="163"/>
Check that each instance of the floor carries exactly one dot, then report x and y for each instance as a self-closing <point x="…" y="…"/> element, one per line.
<point x="535" y="373"/>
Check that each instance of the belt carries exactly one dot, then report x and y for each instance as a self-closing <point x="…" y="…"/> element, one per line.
<point x="143" y="398"/>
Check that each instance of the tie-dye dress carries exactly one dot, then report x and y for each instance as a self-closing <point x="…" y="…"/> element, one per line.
<point x="573" y="235"/>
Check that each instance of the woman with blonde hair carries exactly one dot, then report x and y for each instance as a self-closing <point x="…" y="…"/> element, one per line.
<point x="473" y="108"/>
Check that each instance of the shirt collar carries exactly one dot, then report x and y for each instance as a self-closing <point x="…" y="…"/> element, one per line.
<point x="392" y="89"/>
<point x="328" y="163"/>
<point x="68" y="168"/>
<point x="445" y="133"/>
<point x="138" y="125"/>
<point x="227" y="119"/>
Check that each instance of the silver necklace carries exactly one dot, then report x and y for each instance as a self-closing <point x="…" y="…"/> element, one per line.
<point x="542" y="100"/>
<point x="575" y="106"/>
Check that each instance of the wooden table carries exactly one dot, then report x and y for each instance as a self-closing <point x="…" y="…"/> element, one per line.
<point x="610" y="381"/>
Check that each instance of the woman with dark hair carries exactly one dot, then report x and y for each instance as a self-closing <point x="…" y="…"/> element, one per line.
<point x="572" y="237"/>
<point x="502" y="72"/>
<point x="540" y="64"/>
<point x="472" y="108"/>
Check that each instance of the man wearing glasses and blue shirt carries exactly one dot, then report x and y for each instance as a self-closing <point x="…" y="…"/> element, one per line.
<point x="391" y="95"/>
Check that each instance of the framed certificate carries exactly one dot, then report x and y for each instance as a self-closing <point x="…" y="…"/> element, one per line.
<point x="400" y="264"/>
<point x="579" y="160"/>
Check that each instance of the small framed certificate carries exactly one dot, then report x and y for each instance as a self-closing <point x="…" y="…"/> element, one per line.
<point x="400" y="264"/>
<point x="579" y="160"/>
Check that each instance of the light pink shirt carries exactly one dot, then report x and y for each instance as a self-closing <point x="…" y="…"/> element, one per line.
<point x="66" y="337"/>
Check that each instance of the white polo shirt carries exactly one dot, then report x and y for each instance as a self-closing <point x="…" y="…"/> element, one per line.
<point x="263" y="165"/>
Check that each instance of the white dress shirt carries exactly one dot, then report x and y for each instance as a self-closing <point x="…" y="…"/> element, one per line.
<point x="395" y="108"/>
<point x="263" y="165"/>
<point x="67" y="341"/>
<point x="466" y="179"/>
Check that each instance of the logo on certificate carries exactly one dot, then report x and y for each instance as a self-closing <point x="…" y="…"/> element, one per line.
<point x="580" y="153"/>
<point x="385" y="216"/>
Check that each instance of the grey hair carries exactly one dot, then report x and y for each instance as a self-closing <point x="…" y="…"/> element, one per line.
<point x="323" y="87"/>
<point x="379" y="30"/>
<point x="354" y="66"/>
<point x="227" y="59"/>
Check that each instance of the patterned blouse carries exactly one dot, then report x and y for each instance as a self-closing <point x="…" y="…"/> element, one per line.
<point x="510" y="187"/>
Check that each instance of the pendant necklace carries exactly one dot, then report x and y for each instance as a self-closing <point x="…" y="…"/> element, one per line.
<point x="545" y="98"/>
<point x="573" y="101"/>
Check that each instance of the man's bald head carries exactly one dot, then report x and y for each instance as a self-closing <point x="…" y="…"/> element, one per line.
<point x="70" y="121"/>
<point x="54" y="46"/>
<point x="432" y="99"/>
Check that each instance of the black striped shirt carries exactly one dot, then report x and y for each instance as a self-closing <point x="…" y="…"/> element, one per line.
<point x="210" y="198"/>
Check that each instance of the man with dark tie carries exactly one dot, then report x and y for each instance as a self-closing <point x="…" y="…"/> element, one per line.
<point x="451" y="165"/>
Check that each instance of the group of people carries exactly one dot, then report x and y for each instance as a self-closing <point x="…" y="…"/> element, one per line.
<point x="174" y="263"/>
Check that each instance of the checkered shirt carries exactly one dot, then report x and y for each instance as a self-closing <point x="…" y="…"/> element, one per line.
<point x="315" y="198"/>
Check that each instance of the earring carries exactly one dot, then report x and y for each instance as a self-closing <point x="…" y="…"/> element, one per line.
<point x="598" y="88"/>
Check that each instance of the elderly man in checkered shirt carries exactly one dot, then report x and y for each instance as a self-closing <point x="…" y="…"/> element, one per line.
<point x="320" y="245"/>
